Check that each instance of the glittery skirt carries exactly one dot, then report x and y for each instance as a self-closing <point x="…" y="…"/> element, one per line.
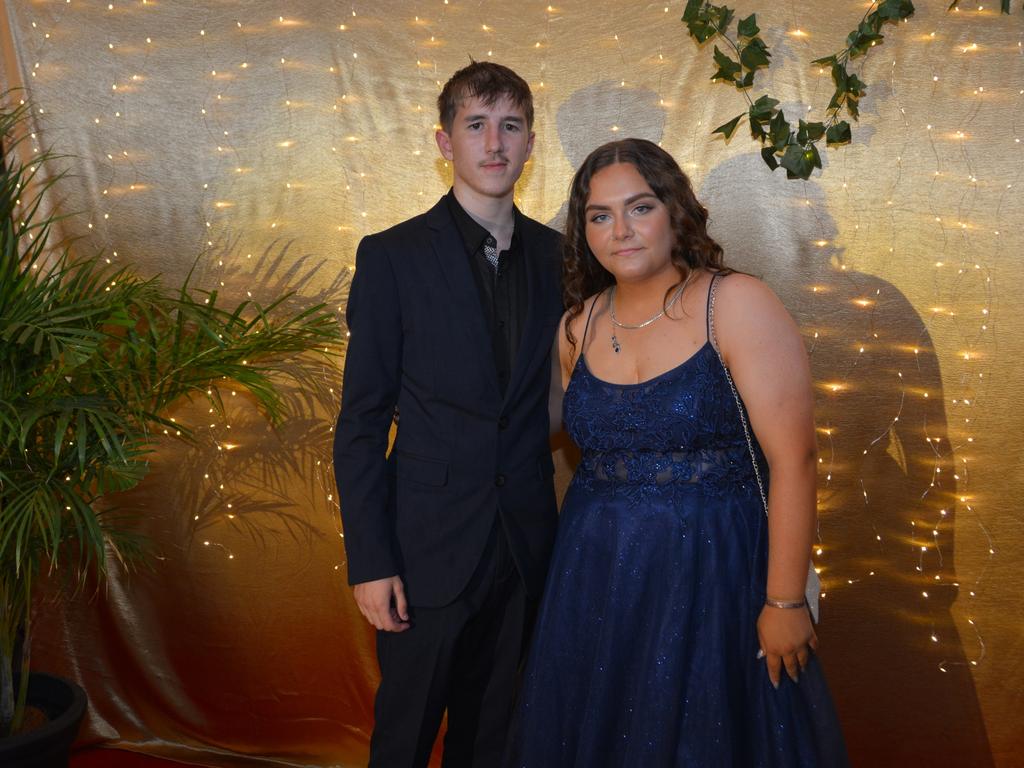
<point x="644" y="651"/>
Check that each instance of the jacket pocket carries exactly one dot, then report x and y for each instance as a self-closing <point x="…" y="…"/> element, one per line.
<point x="420" y="469"/>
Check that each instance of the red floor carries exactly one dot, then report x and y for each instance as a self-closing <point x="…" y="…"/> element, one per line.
<point x="116" y="758"/>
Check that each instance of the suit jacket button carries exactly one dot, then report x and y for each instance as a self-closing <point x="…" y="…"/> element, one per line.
<point x="499" y="480"/>
<point x="503" y="422"/>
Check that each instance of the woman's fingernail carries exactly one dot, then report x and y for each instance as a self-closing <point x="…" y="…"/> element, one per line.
<point x="760" y="653"/>
<point x="775" y="685"/>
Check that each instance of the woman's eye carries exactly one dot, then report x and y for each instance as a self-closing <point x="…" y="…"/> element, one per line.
<point x="598" y="218"/>
<point x="642" y="209"/>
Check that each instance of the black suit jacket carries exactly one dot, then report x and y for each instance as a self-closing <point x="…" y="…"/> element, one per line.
<point x="463" y="453"/>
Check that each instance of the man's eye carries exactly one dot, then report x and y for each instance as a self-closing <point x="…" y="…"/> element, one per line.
<point x="511" y="127"/>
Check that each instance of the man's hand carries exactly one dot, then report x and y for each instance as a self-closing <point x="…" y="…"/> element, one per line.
<point x="383" y="604"/>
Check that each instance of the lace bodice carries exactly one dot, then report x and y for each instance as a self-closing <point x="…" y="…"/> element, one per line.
<point x="681" y="427"/>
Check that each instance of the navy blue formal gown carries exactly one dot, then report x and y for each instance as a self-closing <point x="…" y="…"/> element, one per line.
<point x="644" y="652"/>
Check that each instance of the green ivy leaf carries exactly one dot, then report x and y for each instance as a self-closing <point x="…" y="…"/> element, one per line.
<point x="826" y="61"/>
<point x="810" y="132"/>
<point x="747" y="81"/>
<point x="727" y="67"/>
<point x="853" y="106"/>
<point x="757" y="131"/>
<point x="860" y="41"/>
<point x="839" y="76"/>
<point x="721" y="16"/>
<point x="768" y="155"/>
<point x="855" y="86"/>
<point x="706" y="33"/>
<point x="779" y="130"/>
<point x="796" y="162"/>
<point x="748" y="26"/>
<point x="869" y="29"/>
<point x="727" y="129"/>
<point x="838" y="133"/>
<point x="692" y="10"/>
<point x="763" y="108"/>
<point x="755" y="55"/>
<point x="895" y="10"/>
<point x="811" y="152"/>
<point x="698" y="21"/>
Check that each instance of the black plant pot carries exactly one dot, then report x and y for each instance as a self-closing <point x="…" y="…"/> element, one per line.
<point x="49" y="746"/>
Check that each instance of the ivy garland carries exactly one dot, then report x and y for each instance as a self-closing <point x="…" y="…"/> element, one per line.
<point x="783" y="144"/>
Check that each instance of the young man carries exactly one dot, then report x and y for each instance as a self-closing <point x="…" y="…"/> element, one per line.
<point x="452" y="314"/>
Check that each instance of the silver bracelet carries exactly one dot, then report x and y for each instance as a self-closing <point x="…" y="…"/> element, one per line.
<point x="785" y="603"/>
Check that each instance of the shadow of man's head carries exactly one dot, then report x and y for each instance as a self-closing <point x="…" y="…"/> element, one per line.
<point x="770" y="226"/>
<point x="603" y="112"/>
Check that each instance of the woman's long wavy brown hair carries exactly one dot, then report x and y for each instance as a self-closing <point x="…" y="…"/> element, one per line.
<point x="693" y="249"/>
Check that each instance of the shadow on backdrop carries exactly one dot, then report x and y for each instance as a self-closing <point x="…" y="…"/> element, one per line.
<point x="886" y="493"/>
<point x="590" y="117"/>
<point x="585" y="121"/>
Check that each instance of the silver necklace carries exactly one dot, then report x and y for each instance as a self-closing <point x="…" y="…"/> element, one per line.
<point x="637" y="326"/>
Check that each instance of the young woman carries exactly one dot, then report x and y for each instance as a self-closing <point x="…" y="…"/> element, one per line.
<point x="674" y="630"/>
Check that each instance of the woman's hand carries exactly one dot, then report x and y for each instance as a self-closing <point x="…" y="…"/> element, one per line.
<point x="787" y="639"/>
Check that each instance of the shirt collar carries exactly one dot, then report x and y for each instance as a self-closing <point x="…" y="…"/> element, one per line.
<point x="473" y="234"/>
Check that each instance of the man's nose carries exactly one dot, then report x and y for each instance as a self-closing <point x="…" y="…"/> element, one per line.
<point x="493" y="138"/>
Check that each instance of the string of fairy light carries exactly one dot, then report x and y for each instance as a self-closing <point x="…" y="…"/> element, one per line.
<point x="973" y="333"/>
<point x="441" y="33"/>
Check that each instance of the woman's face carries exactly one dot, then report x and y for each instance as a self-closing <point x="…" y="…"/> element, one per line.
<point x="628" y="228"/>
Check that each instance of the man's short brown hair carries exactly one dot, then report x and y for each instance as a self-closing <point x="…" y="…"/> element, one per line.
<point x="488" y="82"/>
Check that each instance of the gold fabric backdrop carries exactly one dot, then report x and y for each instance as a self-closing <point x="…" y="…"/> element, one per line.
<point x="265" y="138"/>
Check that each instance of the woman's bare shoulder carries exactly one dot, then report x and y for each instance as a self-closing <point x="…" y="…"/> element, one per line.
<point x="740" y="295"/>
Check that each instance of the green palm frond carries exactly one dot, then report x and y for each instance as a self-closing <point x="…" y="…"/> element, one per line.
<point x="92" y="359"/>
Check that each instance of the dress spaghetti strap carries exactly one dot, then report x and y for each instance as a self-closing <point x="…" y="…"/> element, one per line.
<point x="586" y="327"/>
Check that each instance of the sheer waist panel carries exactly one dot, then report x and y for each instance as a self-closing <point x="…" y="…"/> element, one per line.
<point x="718" y="466"/>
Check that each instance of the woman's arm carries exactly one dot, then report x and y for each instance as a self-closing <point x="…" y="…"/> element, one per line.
<point x="560" y="370"/>
<point x="765" y="354"/>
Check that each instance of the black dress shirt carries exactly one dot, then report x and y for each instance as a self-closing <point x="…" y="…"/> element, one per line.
<point x="502" y="293"/>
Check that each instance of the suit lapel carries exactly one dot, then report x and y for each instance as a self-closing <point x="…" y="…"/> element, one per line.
<point x="534" y="315"/>
<point x="450" y="252"/>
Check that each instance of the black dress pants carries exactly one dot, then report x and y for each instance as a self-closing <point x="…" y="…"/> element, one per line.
<point x="463" y="658"/>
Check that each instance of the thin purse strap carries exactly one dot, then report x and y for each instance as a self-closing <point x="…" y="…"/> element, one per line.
<point x="813" y="582"/>
<point x="712" y="292"/>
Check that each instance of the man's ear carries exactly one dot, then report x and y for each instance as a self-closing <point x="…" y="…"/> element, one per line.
<point x="444" y="143"/>
<point x="529" y="145"/>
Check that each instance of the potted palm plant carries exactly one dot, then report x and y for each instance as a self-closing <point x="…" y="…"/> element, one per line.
<point x="92" y="359"/>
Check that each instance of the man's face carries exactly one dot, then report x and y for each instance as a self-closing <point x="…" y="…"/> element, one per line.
<point x="487" y="146"/>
